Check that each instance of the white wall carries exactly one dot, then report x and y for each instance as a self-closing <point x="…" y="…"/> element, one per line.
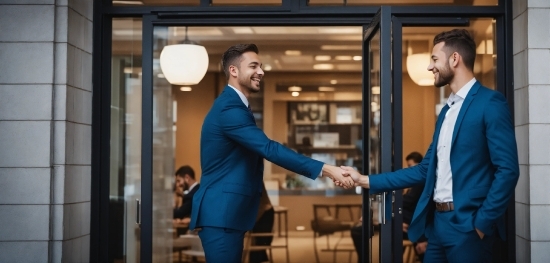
<point x="45" y="130"/>
<point x="532" y="95"/>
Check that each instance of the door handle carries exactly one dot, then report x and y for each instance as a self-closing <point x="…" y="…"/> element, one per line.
<point x="138" y="217"/>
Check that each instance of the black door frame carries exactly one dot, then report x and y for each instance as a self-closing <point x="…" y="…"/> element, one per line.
<point x="290" y="13"/>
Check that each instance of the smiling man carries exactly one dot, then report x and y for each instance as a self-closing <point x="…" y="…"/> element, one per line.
<point x="471" y="167"/>
<point x="233" y="149"/>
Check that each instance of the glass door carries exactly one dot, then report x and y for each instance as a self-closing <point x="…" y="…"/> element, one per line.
<point x="378" y="133"/>
<point x="403" y="106"/>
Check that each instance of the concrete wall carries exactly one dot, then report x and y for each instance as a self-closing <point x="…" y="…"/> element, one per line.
<point x="532" y="94"/>
<point x="45" y="130"/>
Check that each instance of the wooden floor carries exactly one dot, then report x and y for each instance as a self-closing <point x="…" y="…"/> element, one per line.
<point x="301" y="249"/>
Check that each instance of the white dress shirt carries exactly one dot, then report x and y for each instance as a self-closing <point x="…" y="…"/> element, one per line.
<point x="444" y="182"/>
<point x="241" y="95"/>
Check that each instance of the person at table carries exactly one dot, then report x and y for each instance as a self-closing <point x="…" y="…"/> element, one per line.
<point x="185" y="179"/>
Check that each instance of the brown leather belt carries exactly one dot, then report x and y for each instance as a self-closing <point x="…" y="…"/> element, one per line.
<point x="444" y="207"/>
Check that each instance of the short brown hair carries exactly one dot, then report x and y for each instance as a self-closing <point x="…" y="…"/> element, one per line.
<point x="460" y="41"/>
<point x="233" y="54"/>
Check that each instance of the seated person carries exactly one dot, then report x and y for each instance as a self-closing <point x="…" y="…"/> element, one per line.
<point x="185" y="179"/>
<point x="410" y="199"/>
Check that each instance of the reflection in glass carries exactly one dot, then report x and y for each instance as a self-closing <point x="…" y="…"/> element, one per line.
<point x="163" y="154"/>
<point x="125" y="151"/>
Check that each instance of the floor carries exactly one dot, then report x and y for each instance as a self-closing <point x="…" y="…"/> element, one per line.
<point x="301" y="249"/>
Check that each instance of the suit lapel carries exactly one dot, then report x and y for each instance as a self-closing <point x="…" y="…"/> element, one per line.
<point x="467" y="101"/>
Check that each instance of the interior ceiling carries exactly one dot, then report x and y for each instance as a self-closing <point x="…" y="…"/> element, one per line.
<point x="288" y="49"/>
<point x="310" y="2"/>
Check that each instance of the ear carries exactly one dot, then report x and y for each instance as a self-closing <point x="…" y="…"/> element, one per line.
<point x="454" y="58"/>
<point x="233" y="70"/>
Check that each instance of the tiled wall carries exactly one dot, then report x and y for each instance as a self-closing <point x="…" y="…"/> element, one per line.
<point x="532" y="115"/>
<point x="45" y="130"/>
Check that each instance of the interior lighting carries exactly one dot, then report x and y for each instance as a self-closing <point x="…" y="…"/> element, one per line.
<point x="295" y="94"/>
<point x="343" y="58"/>
<point x="186" y="88"/>
<point x="323" y="66"/>
<point x="184" y="64"/>
<point x="333" y="81"/>
<point x="417" y="65"/>
<point x="294" y="88"/>
<point x="357" y="58"/>
<point x="322" y="58"/>
<point x="293" y="52"/>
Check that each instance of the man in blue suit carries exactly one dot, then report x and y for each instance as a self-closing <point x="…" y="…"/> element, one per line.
<point x="233" y="149"/>
<point x="471" y="167"/>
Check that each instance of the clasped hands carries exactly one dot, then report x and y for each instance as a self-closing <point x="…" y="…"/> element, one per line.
<point x="345" y="176"/>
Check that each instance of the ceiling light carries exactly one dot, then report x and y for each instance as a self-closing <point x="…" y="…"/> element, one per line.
<point x="293" y="52"/>
<point x="322" y="58"/>
<point x="342" y="57"/>
<point x="333" y="81"/>
<point x="295" y="94"/>
<point x="184" y="64"/>
<point x="417" y="65"/>
<point x="341" y="47"/>
<point x="242" y="30"/>
<point x="326" y="89"/>
<point x="267" y="67"/>
<point x="357" y="58"/>
<point x="323" y="66"/>
<point x="185" y="88"/>
<point x="294" y="88"/>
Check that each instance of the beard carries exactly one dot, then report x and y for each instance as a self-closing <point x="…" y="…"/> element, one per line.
<point x="444" y="77"/>
<point x="246" y="82"/>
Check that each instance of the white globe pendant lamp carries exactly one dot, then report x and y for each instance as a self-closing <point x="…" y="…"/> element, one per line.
<point x="184" y="64"/>
<point x="417" y="65"/>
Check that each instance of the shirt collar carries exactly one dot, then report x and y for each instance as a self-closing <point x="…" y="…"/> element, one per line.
<point x="193" y="186"/>
<point x="462" y="93"/>
<point x="241" y="95"/>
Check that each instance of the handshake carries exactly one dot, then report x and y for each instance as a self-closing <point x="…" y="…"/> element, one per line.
<point x="345" y="176"/>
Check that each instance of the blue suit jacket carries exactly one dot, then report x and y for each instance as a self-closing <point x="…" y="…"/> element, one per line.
<point x="232" y="153"/>
<point x="484" y="164"/>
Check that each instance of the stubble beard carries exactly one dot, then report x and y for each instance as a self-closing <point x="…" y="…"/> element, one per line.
<point x="445" y="77"/>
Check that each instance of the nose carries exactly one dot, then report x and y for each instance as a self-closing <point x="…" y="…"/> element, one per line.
<point x="260" y="71"/>
<point x="431" y="66"/>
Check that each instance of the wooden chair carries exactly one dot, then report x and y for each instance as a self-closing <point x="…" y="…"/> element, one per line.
<point x="327" y="220"/>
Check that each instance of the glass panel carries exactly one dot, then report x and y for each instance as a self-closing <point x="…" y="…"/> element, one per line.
<point x="125" y="151"/>
<point x="163" y="154"/>
<point x="402" y="2"/>
<point x="156" y="2"/>
<point x="374" y="140"/>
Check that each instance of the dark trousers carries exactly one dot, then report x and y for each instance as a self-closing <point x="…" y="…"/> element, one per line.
<point x="222" y="245"/>
<point x="446" y="244"/>
<point x="263" y="225"/>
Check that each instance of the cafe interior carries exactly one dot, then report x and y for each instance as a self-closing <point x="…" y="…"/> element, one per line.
<point x="311" y="100"/>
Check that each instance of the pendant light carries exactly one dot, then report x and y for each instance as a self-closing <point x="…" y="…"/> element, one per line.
<point x="184" y="64"/>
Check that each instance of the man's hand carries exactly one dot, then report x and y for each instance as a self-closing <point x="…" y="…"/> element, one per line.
<point x="336" y="174"/>
<point x="481" y="235"/>
<point x="421" y="247"/>
<point x="360" y="180"/>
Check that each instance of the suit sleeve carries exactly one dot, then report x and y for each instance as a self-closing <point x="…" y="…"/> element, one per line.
<point x="501" y="141"/>
<point x="401" y="178"/>
<point x="239" y="126"/>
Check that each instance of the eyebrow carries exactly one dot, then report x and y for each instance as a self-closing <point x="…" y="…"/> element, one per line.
<point x="255" y="63"/>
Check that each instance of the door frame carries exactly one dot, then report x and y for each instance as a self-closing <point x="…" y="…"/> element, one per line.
<point x="290" y="13"/>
